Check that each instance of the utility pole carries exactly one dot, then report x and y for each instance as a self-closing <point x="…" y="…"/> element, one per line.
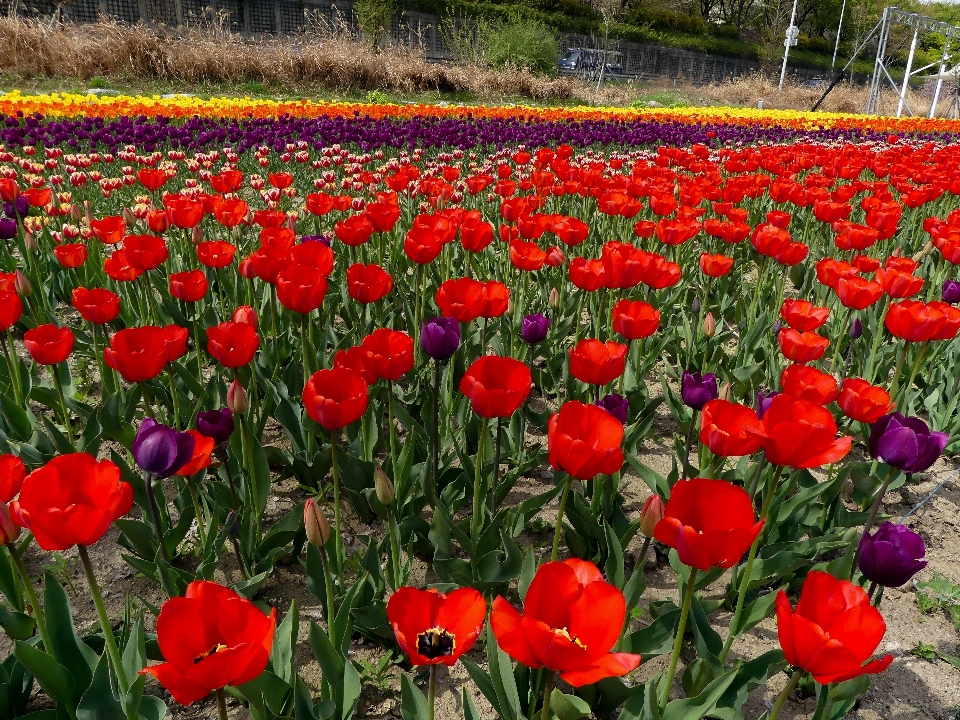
<point x="788" y="42"/>
<point x="836" y="45"/>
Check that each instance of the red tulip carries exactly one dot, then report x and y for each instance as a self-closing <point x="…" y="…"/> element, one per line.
<point x="588" y="275"/>
<point x="857" y="293"/>
<point x="138" y="354"/>
<point x="635" y="319"/>
<point x="158" y="221"/>
<point x="270" y="220"/>
<point x="184" y="212"/>
<point x="497" y="386"/>
<point x="301" y="288"/>
<point x="496" y="298"/>
<point x="833" y="631"/>
<point x="461" y="299"/>
<point x="723" y="428"/>
<point x="715" y="265"/>
<point x="864" y="402"/>
<point x="800" y="434"/>
<point x="475" y="234"/>
<point x="382" y="215"/>
<point x="231" y="213"/>
<point x="808" y="383"/>
<point x="526" y="255"/>
<point x="571" y="620"/>
<point x="624" y="265"/>
<point x="189" y="286"/>
<point x="210" y="638"/>
<point x="829" y="272"/>
<point x="175" y="342"/>
<point x="335" y="398"/>
<point x="71" y="501"/>
<point x="915" y="321"/>
<point x="677" y="231"/>
<point x="12" y="473"/>
<point x="389" y="353"/>
<point x="316" y="254"/>
<point x="355" y="358"/>
<point x="597" y="363"/>
<point x="49" y="344"/>
<point x="145" y="252"/>
<point x="277" y="237"/>
<point x="232" y="344"/>
<point x="202" y="447"/>
<point x="354" y="230"/>
<point x="118" y="268"/>
<point x="368" y="283"/>
<point x="710" y="523"/>
<point x="434" y="628"/>
<point x="109" y="230"/>
<point x="72" y="255"/>
<point x="280" y="180"/>
<point x="584" y="441"/>
<point x="801" y="347"/>
<point x="215" y="253"/>
<point x="802" y="315"/>
<point x="11" y="308"/>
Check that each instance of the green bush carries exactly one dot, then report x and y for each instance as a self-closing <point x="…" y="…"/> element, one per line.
<point x="522" y="43"/>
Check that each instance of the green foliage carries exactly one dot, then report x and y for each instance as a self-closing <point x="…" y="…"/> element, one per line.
<point x="373" y="17"/>
<point x="940" y="593"/>
<point x="523" y="44"/>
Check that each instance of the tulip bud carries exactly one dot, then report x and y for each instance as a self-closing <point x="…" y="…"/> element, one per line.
<point x="709" y="325"/>
<point x="75" y="213"/>
<point x="128" y="217"/>
<point x="554" y="299"/>
<point x="510" y="306"/>
<point x="927" y="249"/>
<point x="724" y="393"/>
<point x="86" y="211"/>
<point x="695" y="306"/>
<point x="245" y="314"/>
<point x="29" y="242"/>
<point x="651" y="514"/>
<point x="237" y="398"/>
<point x="856" y="329"/>
<point x="315" y="523"/>
<point x="9" y="530"/>
<point x="777" y="326"/>
<point x="196" y="235"/>
<point x="383" y="487"/>
<point x="22" y="285"/>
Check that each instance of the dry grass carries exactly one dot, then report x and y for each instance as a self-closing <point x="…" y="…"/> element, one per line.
<point x="330" y="60"/>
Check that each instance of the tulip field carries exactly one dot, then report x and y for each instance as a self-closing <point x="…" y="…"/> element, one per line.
<point x="311" y="410"/>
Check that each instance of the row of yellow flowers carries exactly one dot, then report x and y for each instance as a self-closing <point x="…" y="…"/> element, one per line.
<point x="75" y="105"/>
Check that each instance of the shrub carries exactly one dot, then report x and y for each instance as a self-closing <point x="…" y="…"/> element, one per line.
<point x="522" y="44"/>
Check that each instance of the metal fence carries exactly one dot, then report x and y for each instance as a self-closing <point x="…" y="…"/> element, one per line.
<point x="417" y="30"/>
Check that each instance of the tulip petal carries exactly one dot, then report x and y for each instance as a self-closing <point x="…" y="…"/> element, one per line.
<point x="860" y="629"/>
<point x="507" y="627"/>
<point x="183" y="689"/>
<point x="554" y="589"/>
<point x="609" y="665"/>
<point x="462" y="615"/>
<point x="554" y="649"/>
<point x="596" y="618"/>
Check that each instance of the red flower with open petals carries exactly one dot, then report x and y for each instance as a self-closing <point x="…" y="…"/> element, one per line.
<point x="461" y="299"/>
<point x="571" y="620"/>
<point x="710" y="523"/>
<point x="232" y="344"/>
<point x="368" y="283"/>
<point x="138" y="354"/>
<point x="585" y="440"/>
<point x="434" y="628"/>
<point x="808" y="383"/>
<point x="723" y="428"/>
<point x="597" y="363"/>
<point x="49" y="344"/>
<point x="801" y="347"/>
<point x="635" y="319"/>
<point x="803" y="315"/>
<point x="211" y="637"/>
<point x="833" y="631"/>
<point x="862" y="401"/>
<point x="389" y="353"/>
<point x="800" y="434"/>
<point x="335" y="398"/>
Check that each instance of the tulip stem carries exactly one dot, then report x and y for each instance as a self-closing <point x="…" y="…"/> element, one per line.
<point x="678" y="642"/>
<point x="496" y="469"/>
<point x="559" y="528"/>
<point x="478" y="482"/>
<point x="155" y="514"/>
<point x="871" y="518"/>
<point x="63" y="403"/>
<point x="31" y="594"/>
<point x="221" y="704"/>
<point x="201" y="525"/>
<point x="548" y="689"/>
<point x="687" y="444"/>
<point x="174" y="397"/>
<point x="751" y="556"/>
<point x="435" y="436"/>
<point x="13" y="365"/>
<point x="872" y="589"/>
<point x="109" y="640"/>
<point x="337" y="540"/>
<point x="401" y="485"/>
<point x="328" y="582"/>
<point x="432" y="691"/>
<point x="785" y="693"/>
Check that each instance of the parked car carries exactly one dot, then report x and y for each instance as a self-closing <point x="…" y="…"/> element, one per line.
<point x="815" y="82"/>
<point x="576" y="61"/>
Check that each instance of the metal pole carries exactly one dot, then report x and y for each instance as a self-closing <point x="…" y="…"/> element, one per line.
<point x="943" y="68"/>
<point x="906" y="76"/>
<point x="786" y="45"/>
<point x="836" y="45"/>
<point x="874" y="101"/>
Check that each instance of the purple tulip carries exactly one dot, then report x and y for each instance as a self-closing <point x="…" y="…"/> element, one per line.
<point x="534" y="328"/>
<point x="764" y="400"/>
<point x="616" y="405"/>
<point x="697" y="390"/>
<point x="8" y="228"/>
<point x="856" y="329"/>
<point x="906" y="443"/>
<point x="892" y="555"/>
<point x="316" y="238"/>
<point x="951" y="292"/>
<point x="160" y="450"/>
<point x="440" y="337"/>
<point x="777" y="326"/>
<point x="216" y="424"/>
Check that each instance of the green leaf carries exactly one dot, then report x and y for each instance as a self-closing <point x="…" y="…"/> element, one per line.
<point x="483" y="682"/>
<point x="78" y="658"/>
<point x="413" y="705"/>
<point x="656" y="638"/>
<point x="469" y="708"/>
<point x="285" y="645"/>
<point x="696" y="707"/>
<point x="99" y="702"/>
<point x="351" y="691"/>
<point x="20" y="420"/>
<point x="302" y="702"/>
<point x="527" y="573"/>
<point x="18" y="625"/>
<point x="614" y="565"/>
<point x="504" y="683"/>
<point x="568" y="707"/>
<point x="53" y="677"/>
